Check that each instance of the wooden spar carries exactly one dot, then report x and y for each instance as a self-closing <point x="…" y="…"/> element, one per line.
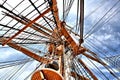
<point x="32" y="26"/>
<point x="28" y="25"/>
<point x="66" y="27"/>
<point x="55" y="13"/>
<point x="38" y="25"/>
<point x="61" y="26"/>
<point x="23" y="31"/>
<point x="93" y="58"/>
<point x="64" y="32"/>
<point x="26" y="52"/>
<point x="69" y="39"/>
<point x="91" y="52"/>
<point x="76" y="49"/>
<point x="94" y="54"/>
<point x="73" y="74"/>
<point x="88" y="70"/>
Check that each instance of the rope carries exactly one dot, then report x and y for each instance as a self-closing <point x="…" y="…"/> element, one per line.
<point x="95" y="25"/>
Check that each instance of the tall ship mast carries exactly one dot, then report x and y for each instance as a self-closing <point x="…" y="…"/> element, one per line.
<point x="59" y="40"/>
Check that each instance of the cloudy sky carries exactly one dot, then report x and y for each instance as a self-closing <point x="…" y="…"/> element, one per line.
<point x="101" y="31"/>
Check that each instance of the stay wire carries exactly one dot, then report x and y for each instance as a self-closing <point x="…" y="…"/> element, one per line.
<point x="34" y="25"/>
<point x="107" y="20"/>
<point x="14" y="60"/>
<point x="77" y="18"/>
<point x="10" y="11"/>
<point x="21" y="12"/>
<point x="11" y="6"/>
<point x="92" y="28"/>
<point x="24" y="39"/>
<point x="12" y="71"/>
<point x="2" y="76"/>
<point x="80" y="69"/>
<point x="111" y="70"/>
<point x="63" y="10"/>
<point x="34" y="49"/>
<point x="68" y="9"/>
<point x="66" y="6"/>
<point x="93" y="45"/>
<point x="99" y="70"/>
<point x="4" y="2"/>
<point x="34" y="32"/>
<point x="15" y="71"/>
<point x="22" y="70"/>
<point x="85" y="71"/>
<point x="98" y="50"/>
<point x="40" y="14"/>
<point x="10" y="65"/>
<point x="33" y="71"/>
<point x="102" y="3"/>
<point x="75" y="66"/>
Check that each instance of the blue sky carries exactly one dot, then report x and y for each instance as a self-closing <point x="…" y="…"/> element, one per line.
<point x="107" y="33"/>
